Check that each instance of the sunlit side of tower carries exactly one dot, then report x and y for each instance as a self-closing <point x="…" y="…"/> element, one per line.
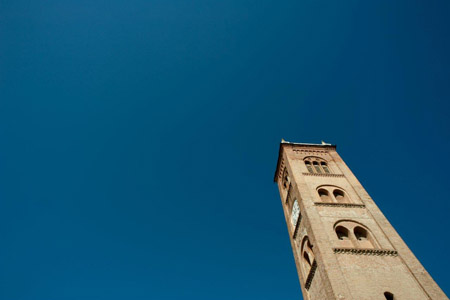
<point x="344" y="247"/>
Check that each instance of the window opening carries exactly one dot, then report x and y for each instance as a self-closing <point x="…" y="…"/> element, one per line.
<point x="339" y="195"/>
<point x="342" y="233"/>
<point x="317" y="167"/>
<point x="324" y="196"/>
<point x="325" y="167"/>
<point x="306" y="256"/>
<point x="360" y="233"/>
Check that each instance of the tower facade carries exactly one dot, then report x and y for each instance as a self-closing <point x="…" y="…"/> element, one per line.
<point x="344" y="247"/>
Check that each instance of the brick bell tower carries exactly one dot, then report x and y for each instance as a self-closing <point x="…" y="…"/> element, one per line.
<point x="344" y="247"/>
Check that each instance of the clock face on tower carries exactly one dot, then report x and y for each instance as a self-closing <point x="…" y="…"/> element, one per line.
<point x="295" y="212"/>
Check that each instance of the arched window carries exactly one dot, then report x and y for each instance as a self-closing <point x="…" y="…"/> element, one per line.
<point x="363" y="238"/>
<point x="307" y="256"/>
<point x="340" y="196"/>
<point x="342" y="233"/>
<point x="360" y="233"/>
<point x="325" y="167"/>
<point x="309" y="167"/>
<point x="295" y="212"/>
<point x="389" y="296"/>
<point x="353" y="234"/>
<point x="317" y="167"/>
<point x="332" y="194"/>
<point x="285" y="178"/>
<point x="324" y="195"/>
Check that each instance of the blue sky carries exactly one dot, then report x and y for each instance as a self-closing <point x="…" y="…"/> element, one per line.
<point x="138" y="139"/>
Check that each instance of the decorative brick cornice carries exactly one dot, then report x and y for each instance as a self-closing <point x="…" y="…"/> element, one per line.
<point x="311" y="275"/>
<point x="323" y="174"/>
<point x="281" y="169"/>
<point x="309" y="150"/>
<point x="373" y="252"/>
<point x="297" y="226"/>
<point x="334" y="204"/>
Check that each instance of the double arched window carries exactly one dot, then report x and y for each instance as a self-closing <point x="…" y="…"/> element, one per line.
<point x="316" y="165"/>
<point x="352" y="234"/>
<point x="332" y="194"/>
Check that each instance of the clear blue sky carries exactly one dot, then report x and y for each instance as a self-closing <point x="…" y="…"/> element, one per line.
<point x="138" y="139"/>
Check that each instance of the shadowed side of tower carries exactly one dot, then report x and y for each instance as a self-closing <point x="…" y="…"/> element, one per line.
<point x="344" y="247"/>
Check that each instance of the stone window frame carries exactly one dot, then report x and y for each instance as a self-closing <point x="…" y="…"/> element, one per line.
<point x="331" y="191"/>
<point x="307" y="257"/>
<point x="352" y="241"/>
<point x="317" y="165"/>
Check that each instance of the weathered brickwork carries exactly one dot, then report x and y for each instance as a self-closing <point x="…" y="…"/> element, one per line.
<point x="344" y="247"/>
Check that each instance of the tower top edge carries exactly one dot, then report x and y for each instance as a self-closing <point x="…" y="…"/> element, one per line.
<point x="283" y="143"/>
<point x="323" y="144"/>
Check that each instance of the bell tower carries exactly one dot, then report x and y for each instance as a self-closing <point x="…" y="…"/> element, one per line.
<point x="344" y="247"/>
